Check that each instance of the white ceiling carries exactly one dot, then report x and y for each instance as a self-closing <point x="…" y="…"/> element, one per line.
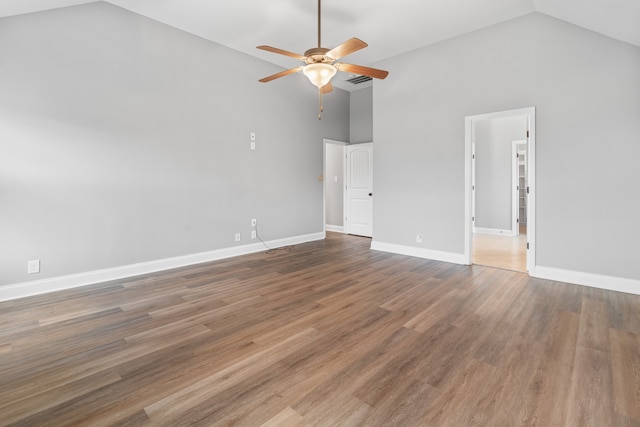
<point x="389" y="27"/>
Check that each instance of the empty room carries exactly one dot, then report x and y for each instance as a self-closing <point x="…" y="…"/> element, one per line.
<point x="306" y="213"/>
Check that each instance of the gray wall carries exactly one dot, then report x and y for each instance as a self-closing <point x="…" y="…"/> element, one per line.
<point x="586" y="90"/>
<point x="361" y="114"/>
<point x="123" y="140"/>
<point x="334" y="184"/>
<point x="494" y="169"/>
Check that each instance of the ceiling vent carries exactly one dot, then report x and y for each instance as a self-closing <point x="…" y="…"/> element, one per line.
<point x="359" y="79"/>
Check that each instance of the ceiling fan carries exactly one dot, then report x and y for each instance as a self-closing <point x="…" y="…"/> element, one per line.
<point x="320" y="63"/>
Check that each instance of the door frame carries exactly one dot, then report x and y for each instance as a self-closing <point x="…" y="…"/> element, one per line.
<point x="344" y="144"/>
<point x="469" y="123"/>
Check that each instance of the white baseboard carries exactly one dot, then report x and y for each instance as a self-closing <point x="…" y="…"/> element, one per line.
<point x="419" y="252"/>
<point x="26" y="289"/>
<point x="494" y="231"/>
<point x="610" y="283"/>
<point x="335" y="228"/>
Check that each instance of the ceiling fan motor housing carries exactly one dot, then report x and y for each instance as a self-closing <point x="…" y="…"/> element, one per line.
<point x="316" y="55"/>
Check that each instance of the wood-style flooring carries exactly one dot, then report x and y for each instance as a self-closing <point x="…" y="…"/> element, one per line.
<point x="326" y="333"/>
<point x="498" y="251"/>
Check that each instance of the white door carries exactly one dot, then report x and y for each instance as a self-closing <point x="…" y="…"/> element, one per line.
<point x="359" y="190"/>
<point x="473" y="184"/>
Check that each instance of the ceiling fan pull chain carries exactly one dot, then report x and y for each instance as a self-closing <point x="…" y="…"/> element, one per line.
<point x="320" y="102"/>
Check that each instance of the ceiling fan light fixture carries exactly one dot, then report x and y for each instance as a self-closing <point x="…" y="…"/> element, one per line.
<point x="319" y="74"/>
<point x="321" y="63"/>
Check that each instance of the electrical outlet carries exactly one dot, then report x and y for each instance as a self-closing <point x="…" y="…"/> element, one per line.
<point x="418" y="238"/>
<point x="254" y="234"/>
<point x="253" y="136"/>
<point x="33" y="266"/>
<point x="253" y="145"/>
<point x="238" y="237"/>
<point x="254" y="222"/>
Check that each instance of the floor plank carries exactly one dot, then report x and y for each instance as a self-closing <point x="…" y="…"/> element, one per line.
<point x="322" y="333"/>
<point x="625" y="357"/>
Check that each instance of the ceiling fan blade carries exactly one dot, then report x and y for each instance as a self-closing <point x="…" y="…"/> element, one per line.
<point x="281" y="74"/>
<point x="346" y="48"/>
<point x="327" y="88"/>
<point x="359" y="69"/>
<point x="282" y="52"/>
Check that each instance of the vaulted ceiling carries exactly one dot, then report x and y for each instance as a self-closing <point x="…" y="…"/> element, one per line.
<point x="389" y="27"/>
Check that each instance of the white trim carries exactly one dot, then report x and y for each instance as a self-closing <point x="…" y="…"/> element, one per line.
<point x="503" y="114"/>
<point x="494" y="231"/>
<point x="611" y="283"/>
<point x="334" y="228"/>
<point x="469" y="194"/>
<point x="419" y="252"/>
<point x="531" y="196"/>
<point x="26" y="289"/>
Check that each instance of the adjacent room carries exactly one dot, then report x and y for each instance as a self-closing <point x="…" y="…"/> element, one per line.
<point x="305" y="213"/>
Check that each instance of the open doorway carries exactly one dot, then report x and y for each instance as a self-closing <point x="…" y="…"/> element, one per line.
<point x="500" y="218"/>
<point x="347" y="187"/>
<point x="334" y="185"/>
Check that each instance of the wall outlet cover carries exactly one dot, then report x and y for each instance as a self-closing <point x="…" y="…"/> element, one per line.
<point x="33" y="266"/>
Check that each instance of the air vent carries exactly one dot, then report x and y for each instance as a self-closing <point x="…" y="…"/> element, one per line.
<point x="359" y="79"/>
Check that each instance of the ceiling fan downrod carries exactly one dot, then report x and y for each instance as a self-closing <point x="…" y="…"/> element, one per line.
<point x="319" y="23"/>
<point x="320" y="108"/>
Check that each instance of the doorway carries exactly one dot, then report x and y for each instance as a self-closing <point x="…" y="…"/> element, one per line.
<point x="499" y="148"/>
<point x="333" y="185"/>
<point x="348" y="187"/>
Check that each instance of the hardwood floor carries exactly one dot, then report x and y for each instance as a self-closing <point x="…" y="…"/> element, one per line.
<point x="323" y="334"/>
<point x="501" y="251"/>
